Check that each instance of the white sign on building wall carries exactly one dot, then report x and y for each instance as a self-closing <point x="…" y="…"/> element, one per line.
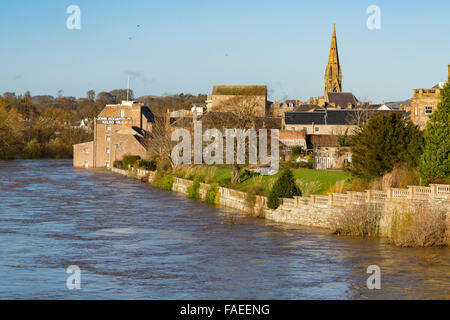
<point x="111" y="120"/>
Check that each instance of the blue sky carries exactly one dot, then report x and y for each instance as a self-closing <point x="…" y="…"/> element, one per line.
<point x="188" y="46"/>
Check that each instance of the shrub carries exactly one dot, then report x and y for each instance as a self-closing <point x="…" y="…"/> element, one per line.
<point x="420" y="226"/>
<point x="163" y="181"/>
<point x="357" y="220"/>
<point x="339" y="187"/>
<point x="193" y="190"/>
<point x="308" y="187"/>
<point x="247" y="174"/>
<point x="210" y="174"/>
<point x="400" y="177"/>
<point x="129" y="160"/>
<point x="146" y="164"/>
<point x="284" y="187"/>
<point x="32" y="149"/>
<point x="118" y="164"/>
<point x="296" y="150"/>
<point x="213" y="194"/>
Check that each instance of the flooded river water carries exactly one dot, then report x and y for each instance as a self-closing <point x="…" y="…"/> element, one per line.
<point x="132" y="241"/>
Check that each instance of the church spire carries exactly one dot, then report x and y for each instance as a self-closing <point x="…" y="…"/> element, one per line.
<point x="333" y="72"/>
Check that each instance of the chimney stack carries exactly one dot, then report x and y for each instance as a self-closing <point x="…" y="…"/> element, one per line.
<point x="449" y="72"/>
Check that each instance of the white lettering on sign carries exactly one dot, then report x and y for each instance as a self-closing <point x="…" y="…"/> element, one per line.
<point x="111" y="120"/>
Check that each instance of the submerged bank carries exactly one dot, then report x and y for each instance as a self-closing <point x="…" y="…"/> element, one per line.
<point x="321" y="211"/>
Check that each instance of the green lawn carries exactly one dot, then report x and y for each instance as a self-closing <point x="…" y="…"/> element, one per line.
<point x="222" y="174"/>
<point x="326" y="179"/>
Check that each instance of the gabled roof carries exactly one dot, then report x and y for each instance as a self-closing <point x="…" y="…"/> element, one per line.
<point x="291" y="135"/>
<point x="147" y="113"/>
<point x="324" y="140"/>
<point x="306" y="107"/>
<point x="342" y="99"/>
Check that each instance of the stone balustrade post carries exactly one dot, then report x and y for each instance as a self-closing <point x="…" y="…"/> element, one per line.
<point x="330" y="199"/>
<point x="434" y="190"/>
<point x="411" y="192"/>
<point x="389" y="194"/>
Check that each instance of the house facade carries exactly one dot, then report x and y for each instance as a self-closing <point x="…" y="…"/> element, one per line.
<point x="118" y="130"/>
<point x="424" y="102"/>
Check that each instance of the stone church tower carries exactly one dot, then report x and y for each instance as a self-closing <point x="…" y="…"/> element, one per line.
<point x="333" y="73"/>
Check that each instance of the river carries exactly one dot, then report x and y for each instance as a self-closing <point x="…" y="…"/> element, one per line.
<point x="132" y="241"/>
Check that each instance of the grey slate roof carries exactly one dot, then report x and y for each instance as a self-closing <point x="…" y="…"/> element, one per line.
<point x="330" y="117"/>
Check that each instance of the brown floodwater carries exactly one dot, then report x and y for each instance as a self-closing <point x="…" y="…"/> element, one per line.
<point x="132" y="241"/>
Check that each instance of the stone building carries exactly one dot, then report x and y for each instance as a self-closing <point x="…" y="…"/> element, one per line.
<point x="331" y="122"/>
<point x="119" y="130"/>
<point x="327" y="152"/>
<point x="290" y="138"/>
<point x="323" y="122"/>
<point x="424" y="102"/>
<point x="230" y="97"/>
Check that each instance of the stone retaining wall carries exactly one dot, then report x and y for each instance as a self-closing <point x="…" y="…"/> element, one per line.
<point x="316" y="210"/>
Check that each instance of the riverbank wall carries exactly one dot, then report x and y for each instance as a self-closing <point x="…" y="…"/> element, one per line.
<point x="317" y="210"/>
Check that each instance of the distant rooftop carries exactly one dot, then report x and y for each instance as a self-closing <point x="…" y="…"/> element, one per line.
<point x="240" y="90"/>
<point x="342" y="99"/>
<point x="329" y="117"/>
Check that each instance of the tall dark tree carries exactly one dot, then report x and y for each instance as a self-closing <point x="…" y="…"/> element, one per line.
<point x="435" y="162"/>
<point x="284" y="187"/>
<point x="386" y="140"/>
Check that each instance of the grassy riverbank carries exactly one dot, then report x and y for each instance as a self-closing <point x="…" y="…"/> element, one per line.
<point x="319" y="181"/>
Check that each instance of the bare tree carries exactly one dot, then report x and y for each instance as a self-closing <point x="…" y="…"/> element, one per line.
<point x="159" y="143"/>
<point x="245" y="109"/>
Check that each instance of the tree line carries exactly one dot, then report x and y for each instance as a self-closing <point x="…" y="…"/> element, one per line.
<point x="47" y="127"/>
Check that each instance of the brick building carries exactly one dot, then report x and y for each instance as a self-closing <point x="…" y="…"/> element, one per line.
<point x="119" y="130"/>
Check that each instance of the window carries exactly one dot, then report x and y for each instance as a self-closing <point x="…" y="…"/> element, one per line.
<point x="108" y="164"/>
<point x="122" y="113"/>
<point x="416" y="111"/>
<point x="317" y="129"/>
<point x="86" y="164"/>
<point x="108" y="150"/>
<point x="428" y="109"/>
<point x="108" y="127"/>
<point x="117" y="145"/>
<point x="108" y="138"/>
<point x="86" y="150"/>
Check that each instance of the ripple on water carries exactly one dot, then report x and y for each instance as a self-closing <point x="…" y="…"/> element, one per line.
<point x="133" y="241"/>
